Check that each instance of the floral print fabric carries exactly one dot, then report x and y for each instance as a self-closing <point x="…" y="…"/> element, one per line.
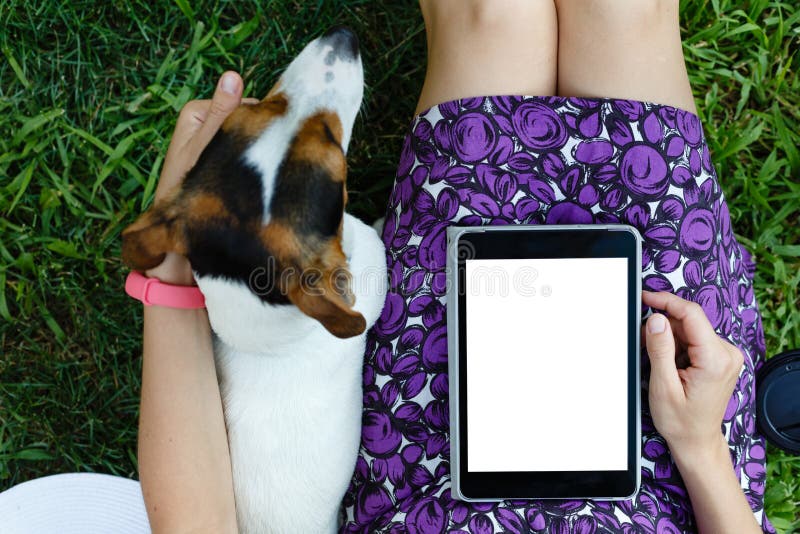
<point x="544" y="160"/>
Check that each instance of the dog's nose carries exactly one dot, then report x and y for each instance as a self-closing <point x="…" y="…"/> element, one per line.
<point x="343" y="41"/>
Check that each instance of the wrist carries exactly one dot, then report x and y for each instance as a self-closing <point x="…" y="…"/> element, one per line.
<point x="702" y="456"/>
<point x="175" y="270"/>
<point x="151" y="291"/>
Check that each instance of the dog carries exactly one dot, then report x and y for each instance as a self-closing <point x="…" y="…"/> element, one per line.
<point x="292" y="283"/>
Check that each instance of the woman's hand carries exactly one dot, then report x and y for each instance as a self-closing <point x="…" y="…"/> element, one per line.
<point x="184" y="461"/>
<point x="197" y="123"/>
<point x="688" y="405"/>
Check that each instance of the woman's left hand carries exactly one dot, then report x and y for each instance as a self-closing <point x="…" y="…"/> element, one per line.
<point x="197" y="123"/>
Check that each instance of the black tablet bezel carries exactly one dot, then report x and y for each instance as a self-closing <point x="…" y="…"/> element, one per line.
<point x="556" y="242"/>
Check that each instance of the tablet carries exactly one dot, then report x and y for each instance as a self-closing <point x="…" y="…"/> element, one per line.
<point x="543" y="340"/>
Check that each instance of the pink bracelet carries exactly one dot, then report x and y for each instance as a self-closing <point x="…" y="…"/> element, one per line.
<point x="154" y="292"/>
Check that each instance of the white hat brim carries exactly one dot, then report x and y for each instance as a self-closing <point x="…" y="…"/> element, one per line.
<point x="74" y="503"/>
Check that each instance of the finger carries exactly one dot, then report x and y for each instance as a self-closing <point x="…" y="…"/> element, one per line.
<point x="696" y="329"/>
<point x="193" y="113"/>
<point x="227" y="97"/>
<point x="684" y="375"/>
<point x="730" y="365"/>
<point x="677" y="329"/>
<point x="737" y="356"/>
<point x="175" y="166"/>
<point x="661" y="350"/>
<point x="641" y="332"/>
<point x="680" y="347"/>
<point x="190" y="119"/>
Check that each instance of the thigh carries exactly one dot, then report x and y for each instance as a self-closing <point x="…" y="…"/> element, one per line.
<point x="627" y="49"/>
<point x="488" y="47"/>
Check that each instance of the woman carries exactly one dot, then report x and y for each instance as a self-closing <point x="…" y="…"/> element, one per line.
<point x="470" y="159"/>
<point x="511" y="160"/>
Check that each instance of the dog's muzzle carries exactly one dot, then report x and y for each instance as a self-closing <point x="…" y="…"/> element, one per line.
<point x="343" y="41"/>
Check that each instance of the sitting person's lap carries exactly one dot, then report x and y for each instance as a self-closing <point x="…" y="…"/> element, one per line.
<point x="513" y="160"/>
<point x="543" y="160"/>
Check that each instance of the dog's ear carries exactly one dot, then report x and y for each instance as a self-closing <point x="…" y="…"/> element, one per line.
<point x="325" y="295"/>
<point x="146" y="242"/>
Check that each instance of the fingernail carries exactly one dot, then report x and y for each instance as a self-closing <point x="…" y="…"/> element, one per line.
<point x="229" y="84"/>
<point x="656" y="324"/>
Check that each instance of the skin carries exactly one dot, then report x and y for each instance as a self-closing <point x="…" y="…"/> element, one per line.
<point x="184" y="462"/>
<point x="688" y="405"/>
<point x="480" y="48"/>
<point x="621" y="48"/>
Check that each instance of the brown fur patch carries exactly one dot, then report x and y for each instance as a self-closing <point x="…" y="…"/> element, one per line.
<point x="249" y="120"/>
<point x="331" y="254"/>
<point x="163" y="227"/>
<point x="324" y="255"/>
<point x="315" y="278"/>
<point x="319" y="141"/>
<point x="282" y="241"/>
<point x="146" y="242"/>
<point x="304" y="251"/>
<point x="204" y="206"/>
<point x="335" y="262"/>
<point x="331" y="311"/>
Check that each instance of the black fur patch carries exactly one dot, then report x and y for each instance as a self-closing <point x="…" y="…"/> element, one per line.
<point x="308" y="199"/>
<point x="225" y="248"/>
<point x="237" y="255"/>
<point x="220" y="170"/>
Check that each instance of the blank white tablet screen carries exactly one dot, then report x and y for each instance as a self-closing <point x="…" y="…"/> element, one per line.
<point x="547" y="343"/>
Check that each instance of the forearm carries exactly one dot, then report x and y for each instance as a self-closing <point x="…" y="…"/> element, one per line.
<point x="184" y="462"/>
<point x="717" y="498"/>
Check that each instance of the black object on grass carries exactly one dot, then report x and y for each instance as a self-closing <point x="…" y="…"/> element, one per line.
<point x="778" y="401"/>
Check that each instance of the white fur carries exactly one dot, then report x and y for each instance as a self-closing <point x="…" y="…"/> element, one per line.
<point x="292" y="396"/>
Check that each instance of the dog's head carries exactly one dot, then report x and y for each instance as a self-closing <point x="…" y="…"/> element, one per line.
<point x="263" y="206"/>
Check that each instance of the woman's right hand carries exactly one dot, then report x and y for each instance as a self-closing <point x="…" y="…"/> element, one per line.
<point x="688" y="405"/>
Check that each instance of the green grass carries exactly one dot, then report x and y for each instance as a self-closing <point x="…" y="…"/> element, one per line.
<point x="89" y="93"/>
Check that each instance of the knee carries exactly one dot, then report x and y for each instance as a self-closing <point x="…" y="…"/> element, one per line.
<point x="486" y="16"/>
<point x="630" y="14"/>
<point x="492" y="15"/>
<point x="648" y="12"/>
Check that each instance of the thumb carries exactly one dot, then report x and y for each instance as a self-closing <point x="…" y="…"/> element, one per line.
<point x="661" y="349"/>
<point x="227" y="97"/>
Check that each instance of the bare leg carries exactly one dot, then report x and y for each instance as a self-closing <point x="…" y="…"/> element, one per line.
<point x="488" y="47"/>
<point x="622" y="48"/>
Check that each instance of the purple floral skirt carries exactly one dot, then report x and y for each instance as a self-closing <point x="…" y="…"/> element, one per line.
<point x="544" y="160"/>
